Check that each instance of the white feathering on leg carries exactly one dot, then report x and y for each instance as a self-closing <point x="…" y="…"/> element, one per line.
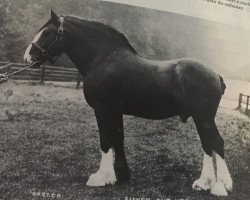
<point x="207" y="179"/>
<point x="224" y="180"/>
<point x="106" y="173"/>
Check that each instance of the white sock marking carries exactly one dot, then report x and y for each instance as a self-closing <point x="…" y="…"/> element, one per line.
<point x="207" y="179"/>
<point x="219" y="189"/>
<point x="223" y="174"/>
<point x="224" y="181"/>
<point x="106" y="173"/>
<point x="27" y="56"/>
<point x="208" y="167"/>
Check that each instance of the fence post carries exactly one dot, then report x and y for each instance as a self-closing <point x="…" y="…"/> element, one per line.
<point x="78" y="80"/>
<point x="247" y="103"/>
<point x="240" y="100"/>
<point x="9" y="69"/>
<point x="42" y="74"/>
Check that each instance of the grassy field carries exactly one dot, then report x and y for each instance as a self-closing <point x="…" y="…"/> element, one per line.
<point x="49" y="146"/>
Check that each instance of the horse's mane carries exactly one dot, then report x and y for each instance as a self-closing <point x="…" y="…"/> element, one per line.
<point x="117" y="36"/>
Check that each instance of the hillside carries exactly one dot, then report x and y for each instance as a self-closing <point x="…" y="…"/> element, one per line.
<point x="154" y="34"/>
<point x="242" y="73"/>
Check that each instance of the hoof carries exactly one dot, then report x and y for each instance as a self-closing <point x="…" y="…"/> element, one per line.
<point x="228" y="183"/>
<point x="100" y="179"/>
<point x="96" y="180"/>
<point x="219" y="189"/>
<point x="203" y="183"/>
<point x="122" y="174"/>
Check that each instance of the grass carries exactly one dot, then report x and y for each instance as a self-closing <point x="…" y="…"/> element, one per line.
<point x="49" y="143"/>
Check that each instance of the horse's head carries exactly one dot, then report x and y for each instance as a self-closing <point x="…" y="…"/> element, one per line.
<point x="48" y="43"/>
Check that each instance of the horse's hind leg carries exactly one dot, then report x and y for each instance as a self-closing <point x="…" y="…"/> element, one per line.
<point x="207" y="178"/>
<point x="224" y="180"/>
<point x="212" y="141"/>
<point x="110" y="126"/>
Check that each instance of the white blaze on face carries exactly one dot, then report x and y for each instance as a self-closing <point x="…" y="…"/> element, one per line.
<point x="27" y="56"/>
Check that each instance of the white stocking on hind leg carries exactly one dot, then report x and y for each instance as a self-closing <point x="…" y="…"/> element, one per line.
<point x="224" y="181"/>
<point x="212" y="141"/>
<point x="207" y="179"/>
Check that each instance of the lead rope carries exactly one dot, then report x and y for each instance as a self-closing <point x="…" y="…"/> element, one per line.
<point x="4" y="77"/>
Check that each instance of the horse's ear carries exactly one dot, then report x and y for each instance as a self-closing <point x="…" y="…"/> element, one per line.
<point x="53" y="15"/>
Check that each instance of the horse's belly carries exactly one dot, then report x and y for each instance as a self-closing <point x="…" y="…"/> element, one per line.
<point x="150" y="115"/>
<point x="151" y="108"/>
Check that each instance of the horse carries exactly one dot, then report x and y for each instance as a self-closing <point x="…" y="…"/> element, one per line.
<point x="118" y="81"/>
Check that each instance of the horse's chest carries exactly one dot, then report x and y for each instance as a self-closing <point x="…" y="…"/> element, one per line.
<point x="100" y="93"/>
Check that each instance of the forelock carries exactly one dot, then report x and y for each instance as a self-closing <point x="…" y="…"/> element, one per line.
<point x="49" y="22"/>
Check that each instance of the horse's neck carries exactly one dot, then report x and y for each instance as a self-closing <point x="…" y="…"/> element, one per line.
<point x="86" y="55"/>
<point x="80" y="51"/>
<point x="87" y="47"/>
<point x="86" y="65"/>
<point x="85" y="59"/>
<point x="78" y="57"/>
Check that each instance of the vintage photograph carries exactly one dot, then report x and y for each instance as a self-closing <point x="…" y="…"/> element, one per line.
<point x="125" y="100"/>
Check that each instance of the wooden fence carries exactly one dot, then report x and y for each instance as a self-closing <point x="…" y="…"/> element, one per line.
<point x="244" y="99"/>
<point x="42" y="74"/>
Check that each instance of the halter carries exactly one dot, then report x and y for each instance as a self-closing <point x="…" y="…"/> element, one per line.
<point x="45" y="55"/>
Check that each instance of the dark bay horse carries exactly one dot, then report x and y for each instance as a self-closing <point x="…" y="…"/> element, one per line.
<point x="118" y="81"/>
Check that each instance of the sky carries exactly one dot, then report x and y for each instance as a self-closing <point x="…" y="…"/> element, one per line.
<point x="198" y="8"/>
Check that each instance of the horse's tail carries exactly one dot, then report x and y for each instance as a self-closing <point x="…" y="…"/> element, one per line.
<point x="223" y="85"/>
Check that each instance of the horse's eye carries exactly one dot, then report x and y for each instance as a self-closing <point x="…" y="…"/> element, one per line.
<point x="45" y="33"/>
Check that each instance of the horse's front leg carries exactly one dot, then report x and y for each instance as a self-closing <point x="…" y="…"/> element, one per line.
<point x="111" y="137"/>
